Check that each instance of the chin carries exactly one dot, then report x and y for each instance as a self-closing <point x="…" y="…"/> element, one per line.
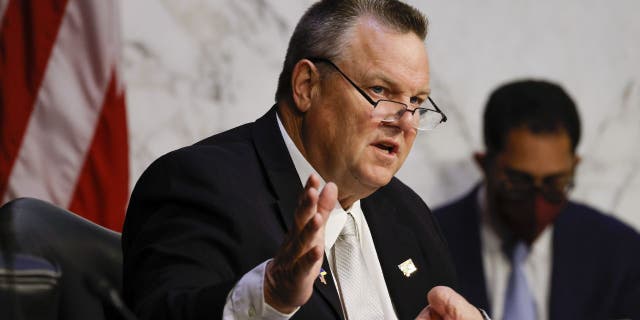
<point x="377" y="178"/>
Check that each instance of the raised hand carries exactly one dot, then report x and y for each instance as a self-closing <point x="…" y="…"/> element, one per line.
<point x="446" y="304"/>
<point x="290" y="275"/>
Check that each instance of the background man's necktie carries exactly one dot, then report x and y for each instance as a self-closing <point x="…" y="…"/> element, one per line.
<point x="519" y="303"/>
<point x="358" y="294"/>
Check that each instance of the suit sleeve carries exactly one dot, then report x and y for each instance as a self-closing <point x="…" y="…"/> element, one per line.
<point x="628" y="299"/>
<point x="181" y="243"/>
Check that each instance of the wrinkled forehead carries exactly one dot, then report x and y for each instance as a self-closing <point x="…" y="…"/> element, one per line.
<point x="373" y="49"/>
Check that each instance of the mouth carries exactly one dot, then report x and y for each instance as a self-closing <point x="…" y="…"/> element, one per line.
<point x="388" y="147"/>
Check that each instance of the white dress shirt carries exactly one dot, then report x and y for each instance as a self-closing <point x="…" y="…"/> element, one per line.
<point x="246" y="299"/>
<point x="497" y="267"/>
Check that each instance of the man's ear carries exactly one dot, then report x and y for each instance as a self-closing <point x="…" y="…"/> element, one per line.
<point x="481" y="159"/>
<point x="304" y="78"/>
<point x="576" y="161"/>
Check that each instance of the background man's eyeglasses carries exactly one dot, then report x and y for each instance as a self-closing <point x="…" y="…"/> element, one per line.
<point x="422" y="118"/>
<point x="520" y="185"/>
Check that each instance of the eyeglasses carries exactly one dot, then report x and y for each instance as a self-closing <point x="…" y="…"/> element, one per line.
<point x="519" y="185"/>
<point x="391" y="111"/>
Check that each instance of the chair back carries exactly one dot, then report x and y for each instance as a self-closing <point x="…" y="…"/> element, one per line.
<point x="55" y="264"/>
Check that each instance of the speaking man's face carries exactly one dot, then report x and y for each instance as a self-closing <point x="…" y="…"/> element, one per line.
<point x="346" y="142"/>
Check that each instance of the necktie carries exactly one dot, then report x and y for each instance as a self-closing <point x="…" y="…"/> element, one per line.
<point x="519" y="303"/>
<point x="358" y="295"/>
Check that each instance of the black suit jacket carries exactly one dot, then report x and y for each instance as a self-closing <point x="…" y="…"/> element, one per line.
<point x="596" y="261"/>
<point x="202" y="216"/>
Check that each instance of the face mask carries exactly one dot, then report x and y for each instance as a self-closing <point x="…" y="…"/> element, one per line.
<point x="525" y="217"/>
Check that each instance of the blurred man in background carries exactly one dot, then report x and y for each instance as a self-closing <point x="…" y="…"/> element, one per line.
<point x="523" y="250"/>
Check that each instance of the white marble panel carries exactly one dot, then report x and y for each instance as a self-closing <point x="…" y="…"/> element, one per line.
<point x="197" y="67"/>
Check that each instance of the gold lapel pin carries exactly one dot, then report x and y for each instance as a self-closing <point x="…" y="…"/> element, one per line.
<point x="407" y="268"/>
<point x="322" y="274"/>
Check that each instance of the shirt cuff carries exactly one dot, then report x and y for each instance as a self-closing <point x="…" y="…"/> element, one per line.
<point x="485" y="316"/>
<point x="246" y="299"/>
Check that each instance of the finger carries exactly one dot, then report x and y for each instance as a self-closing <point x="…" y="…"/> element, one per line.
<point x="310" y="236"/>
<point x="313" y="181"/>
<point x="327" y="199"/>
<point x="425" y="314"/>
<point x="306" y="263"/>
<point x="428" y="314"/>
<point x="440" y="300"/>
<point x="308" y="201"/>
<point x="450" y="305"/>
<point x="306" y="207"/>
<point x="293" y="246"/>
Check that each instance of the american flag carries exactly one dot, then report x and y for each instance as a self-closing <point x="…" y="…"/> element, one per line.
<point x="63" y="130"/>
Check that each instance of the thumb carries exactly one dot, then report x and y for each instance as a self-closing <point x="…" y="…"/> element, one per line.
<point x="439" y="299"/>
<point x="427" y="314"/>
<point x="448" y="304"/>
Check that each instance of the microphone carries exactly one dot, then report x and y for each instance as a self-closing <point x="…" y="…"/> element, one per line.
<point x="109" y="295"/>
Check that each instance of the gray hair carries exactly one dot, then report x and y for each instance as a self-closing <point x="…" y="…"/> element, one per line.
<point x="323" y="31"/>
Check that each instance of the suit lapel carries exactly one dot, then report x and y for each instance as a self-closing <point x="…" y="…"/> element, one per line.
<point x="566" y="271"/>
<point x="328" y="289"/>
<point x="277" y="164"/>
<point x="395" y="244"/>
<point x="286" y="185"/>
<point x="468" y="244"/>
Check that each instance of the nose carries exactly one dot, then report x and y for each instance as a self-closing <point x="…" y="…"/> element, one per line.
<point x="407" y="118"/>
<point x="403" y="121"/>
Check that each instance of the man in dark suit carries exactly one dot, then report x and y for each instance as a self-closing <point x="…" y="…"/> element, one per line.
<point x="238" y="225"/>
<point x="575" y="262"/>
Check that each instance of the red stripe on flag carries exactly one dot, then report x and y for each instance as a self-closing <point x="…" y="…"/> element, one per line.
<point x="103" y="186"/>
<point x="28" y="32"/>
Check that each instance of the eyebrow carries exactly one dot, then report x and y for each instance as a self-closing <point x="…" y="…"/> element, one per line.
<point x="390" y="82"/>
<point x="530" y="176"/>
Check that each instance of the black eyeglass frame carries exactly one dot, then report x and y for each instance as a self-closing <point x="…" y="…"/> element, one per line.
<point x="375" y="103"/>
<point x="518" y="184"/>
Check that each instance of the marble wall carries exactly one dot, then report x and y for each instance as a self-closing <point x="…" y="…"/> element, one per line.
<point x="197" y="67"/>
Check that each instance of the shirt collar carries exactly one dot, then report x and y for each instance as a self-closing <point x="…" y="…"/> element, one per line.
<point x="338" y="215"/>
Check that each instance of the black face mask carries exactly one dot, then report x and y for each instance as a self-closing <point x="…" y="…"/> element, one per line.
<point x="525" y="215"/>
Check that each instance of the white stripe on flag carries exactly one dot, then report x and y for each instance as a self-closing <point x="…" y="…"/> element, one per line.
<point x="67" y="107"/>
<point x="3" y="7"/>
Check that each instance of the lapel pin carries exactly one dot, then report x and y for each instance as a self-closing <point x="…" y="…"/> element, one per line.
<point x="407" y="268"/>
<point x="322" y="274"/>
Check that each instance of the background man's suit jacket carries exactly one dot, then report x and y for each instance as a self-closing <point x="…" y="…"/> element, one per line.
<point x="202" y="216"/>
<point x="596" y="261"/>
